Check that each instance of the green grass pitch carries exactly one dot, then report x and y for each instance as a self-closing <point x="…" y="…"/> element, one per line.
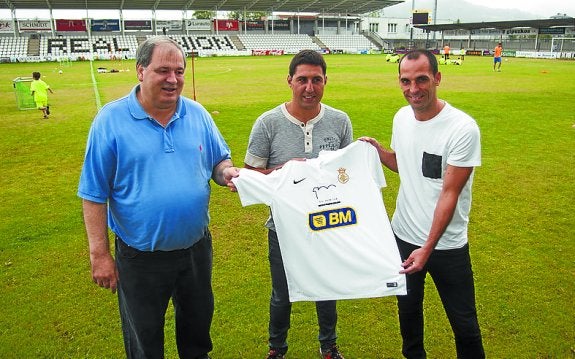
<point x="522" y="233"/>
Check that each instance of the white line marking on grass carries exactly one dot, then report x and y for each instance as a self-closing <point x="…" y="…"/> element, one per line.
<point x="95" y="85"/>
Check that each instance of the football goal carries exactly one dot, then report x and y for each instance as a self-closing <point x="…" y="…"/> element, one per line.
<point x="24" y="99"/>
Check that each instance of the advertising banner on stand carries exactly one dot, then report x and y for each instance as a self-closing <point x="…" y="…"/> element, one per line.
<point x="227" y="25"/>
<point x="70" y="25"/>
<point x="6" y="26"/>
<point x="34" y="25"/>
<point x="138" y="25"/>
<point x="169" y="25"/>
<point x="105" y="25"/>
<point x="198" y="24"/>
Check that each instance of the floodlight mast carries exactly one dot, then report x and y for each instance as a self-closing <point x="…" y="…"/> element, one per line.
<point x="411" y="28"/>
<point x="434" y="16"/>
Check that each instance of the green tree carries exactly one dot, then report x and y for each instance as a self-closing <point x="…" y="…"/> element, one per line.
<point x="204" y="14"/>
<point x="255" y="15"/>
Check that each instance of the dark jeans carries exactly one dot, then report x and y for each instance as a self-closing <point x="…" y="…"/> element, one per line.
<point x="453" y="277"/>
<point x="148" y="280"/>
<point x="280" y="306"/>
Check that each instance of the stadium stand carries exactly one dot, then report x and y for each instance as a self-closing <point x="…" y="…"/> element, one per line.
<point x="207" y="44"/>
<point x="347" y="43"/>
<point x="76" y="47"/>
<point x="289" y="43"/>
<point x="13" y="47"/>
<point x="103" y="47"/>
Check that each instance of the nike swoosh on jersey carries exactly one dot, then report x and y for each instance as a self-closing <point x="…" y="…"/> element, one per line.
<point x="296" y="182"/>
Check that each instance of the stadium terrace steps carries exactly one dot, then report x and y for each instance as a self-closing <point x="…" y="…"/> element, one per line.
<point x="105" y="47"/>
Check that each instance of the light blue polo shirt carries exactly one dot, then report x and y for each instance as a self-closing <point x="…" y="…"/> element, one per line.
<point x="154" y="179"/>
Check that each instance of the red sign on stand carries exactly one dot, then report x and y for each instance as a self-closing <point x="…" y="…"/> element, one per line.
<point x="70" y="25"/>
<point x="227" y="25"/>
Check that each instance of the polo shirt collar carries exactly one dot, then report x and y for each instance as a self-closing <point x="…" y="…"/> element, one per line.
<point x="138" y="112"/>
<point x="311" y="122"/>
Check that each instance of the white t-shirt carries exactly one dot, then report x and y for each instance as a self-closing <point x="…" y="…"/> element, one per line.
<point x="423" y="150"/>
<point x="334" y="233"/>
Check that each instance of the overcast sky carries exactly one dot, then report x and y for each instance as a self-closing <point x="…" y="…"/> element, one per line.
<point x="537" y="7"/>
<point x="485" y="10"/>
<point x="463" y="10"/>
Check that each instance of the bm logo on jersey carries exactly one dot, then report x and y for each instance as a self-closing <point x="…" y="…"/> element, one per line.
<point x="332" y="218"/>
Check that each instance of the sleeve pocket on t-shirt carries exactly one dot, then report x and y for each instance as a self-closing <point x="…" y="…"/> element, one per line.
<point x="431" y="165"/>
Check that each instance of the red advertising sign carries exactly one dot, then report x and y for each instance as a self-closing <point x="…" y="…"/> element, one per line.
<point x="267" y="52"/>
<point x="227" y="25"/>
<point x="70" y="25"/>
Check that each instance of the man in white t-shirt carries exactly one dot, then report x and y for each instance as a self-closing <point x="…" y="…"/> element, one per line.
<point x="435" y="148"/>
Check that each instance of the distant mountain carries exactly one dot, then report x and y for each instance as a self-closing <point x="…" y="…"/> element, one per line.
<point x="453" y="10"/>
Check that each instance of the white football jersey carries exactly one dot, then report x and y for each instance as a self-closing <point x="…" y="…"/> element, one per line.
<point x="334" y="233"/>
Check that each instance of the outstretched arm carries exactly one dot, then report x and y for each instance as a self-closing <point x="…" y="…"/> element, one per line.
<point x="224" y="172"/>
<point x="387" y="157"/>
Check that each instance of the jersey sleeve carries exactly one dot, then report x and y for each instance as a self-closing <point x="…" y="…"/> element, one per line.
<point x="255" y="187"/>
<point x="374" y="165"/>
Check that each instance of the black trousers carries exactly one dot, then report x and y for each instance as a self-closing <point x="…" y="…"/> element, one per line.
<point x="453" y="277"/>
<point x="148" y="280"/>
<point x="280" y="306"/>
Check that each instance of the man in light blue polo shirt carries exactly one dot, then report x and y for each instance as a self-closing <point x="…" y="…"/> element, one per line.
<point x="148" y="163"/>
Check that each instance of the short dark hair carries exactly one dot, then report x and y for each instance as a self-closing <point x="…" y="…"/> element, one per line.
<point x="307" y="57"/>
<point x="414" y="55"/>
<point x="36" y="75"/>
<point x="146" y="49"/>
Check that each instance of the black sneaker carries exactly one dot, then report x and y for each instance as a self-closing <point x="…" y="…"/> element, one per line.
<point x="275" y="353"/>
<point x="47" y="110"/>
<point x="331" y="353"/>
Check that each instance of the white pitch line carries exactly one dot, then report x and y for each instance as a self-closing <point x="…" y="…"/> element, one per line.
<point x="95" y="86"/>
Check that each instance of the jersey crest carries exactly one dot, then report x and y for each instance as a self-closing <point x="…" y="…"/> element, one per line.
<point x="342" y="177"/>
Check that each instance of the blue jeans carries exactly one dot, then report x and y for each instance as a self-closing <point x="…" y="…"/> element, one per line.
<point x="280" y="306"/>
<point x="148" y="280"/>
<point x="453" y="277"/>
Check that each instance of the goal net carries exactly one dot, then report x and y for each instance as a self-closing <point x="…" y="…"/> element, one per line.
<point x="24" y="99"/>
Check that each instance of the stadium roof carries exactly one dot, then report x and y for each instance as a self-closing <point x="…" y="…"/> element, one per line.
<point x="313" y="6"/>
<point x="536" y="24"/>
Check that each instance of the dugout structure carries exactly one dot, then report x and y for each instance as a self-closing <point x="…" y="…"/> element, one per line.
<point x="24" y="99"/>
